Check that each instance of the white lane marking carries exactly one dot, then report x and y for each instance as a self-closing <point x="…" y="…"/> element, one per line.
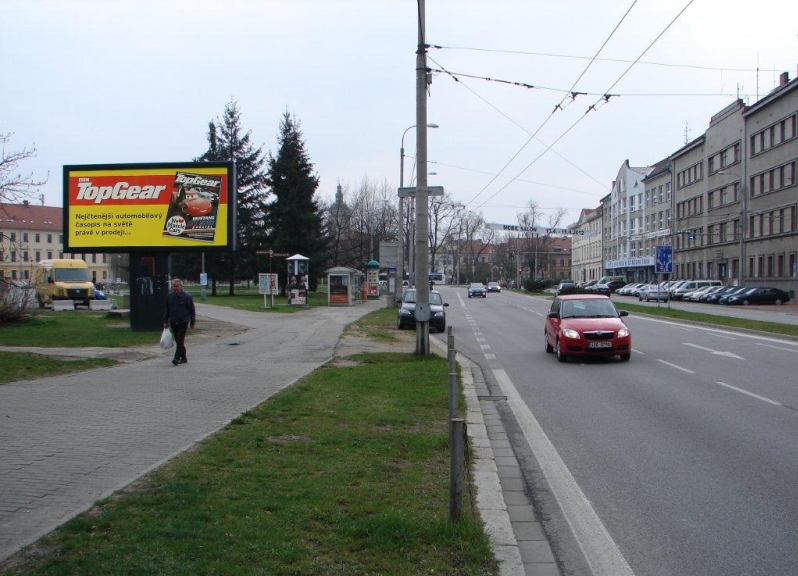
<point x="675" y="366"/>
<point x="598" y="547"/>
<point x="719" y="331"/>
<point x="723" y="336"/>
<point x="715" y="352"/>
<point x="776" y="347"/>
<point x="751" y="394"/>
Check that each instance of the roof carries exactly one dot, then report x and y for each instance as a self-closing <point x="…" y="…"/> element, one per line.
<point x="31" y="217"/>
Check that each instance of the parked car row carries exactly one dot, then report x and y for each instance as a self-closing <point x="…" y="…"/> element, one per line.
<point x="705" y="291"/>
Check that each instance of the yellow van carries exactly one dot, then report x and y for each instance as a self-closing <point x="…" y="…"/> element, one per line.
<point x="63" y="280"/>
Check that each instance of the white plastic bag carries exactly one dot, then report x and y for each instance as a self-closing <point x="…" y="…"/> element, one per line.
<point x="166" y="339"/>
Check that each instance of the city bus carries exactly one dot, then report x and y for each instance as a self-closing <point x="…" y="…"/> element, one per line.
<point x="436" y="278"/>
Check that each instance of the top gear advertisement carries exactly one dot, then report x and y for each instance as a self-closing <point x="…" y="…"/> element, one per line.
<point x="148" y="207"/>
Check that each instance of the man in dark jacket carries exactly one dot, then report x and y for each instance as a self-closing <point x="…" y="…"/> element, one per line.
<point x="178" y="316"/>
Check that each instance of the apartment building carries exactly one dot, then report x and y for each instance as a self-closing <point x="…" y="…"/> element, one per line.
<point x="30" y="233"/>
<point x="586" y="261"/>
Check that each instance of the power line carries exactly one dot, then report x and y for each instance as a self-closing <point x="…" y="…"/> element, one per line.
<point x="562" y="90"/>
<point x="617" y="60"/>
<point x="598" y="102"/>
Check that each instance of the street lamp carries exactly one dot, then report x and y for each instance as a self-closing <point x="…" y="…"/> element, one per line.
<point x="401" y="203"/>
<point x="743" y="223"/>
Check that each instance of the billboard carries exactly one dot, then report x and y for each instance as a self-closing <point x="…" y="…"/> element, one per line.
<point x="187" y="206"/>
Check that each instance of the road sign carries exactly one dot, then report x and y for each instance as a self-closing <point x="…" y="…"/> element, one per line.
<point x="272" y="253"/>
<point x="411" y="191"/>
<point x="664" y="260"/>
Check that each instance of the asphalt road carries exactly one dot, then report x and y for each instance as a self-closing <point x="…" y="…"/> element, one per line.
<point x="681" y="461"/>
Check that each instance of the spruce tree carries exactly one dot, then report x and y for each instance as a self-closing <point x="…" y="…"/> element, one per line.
<point x="228" y="142"/>
<point x="294" y="219"/>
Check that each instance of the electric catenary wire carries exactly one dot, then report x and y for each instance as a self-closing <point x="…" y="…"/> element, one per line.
<point x="593" y="107"/>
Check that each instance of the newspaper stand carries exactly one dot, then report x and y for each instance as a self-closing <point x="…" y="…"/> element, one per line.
<point x="343" y="286"/>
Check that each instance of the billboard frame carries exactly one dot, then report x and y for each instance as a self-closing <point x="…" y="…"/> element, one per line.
<point x="228" y="169"/>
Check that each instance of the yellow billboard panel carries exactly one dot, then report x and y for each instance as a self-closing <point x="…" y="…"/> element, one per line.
<point x="133" y="207"/>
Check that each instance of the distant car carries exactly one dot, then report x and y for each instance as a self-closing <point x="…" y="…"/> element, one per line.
<point x="715" y="297"/>
<point x="564" y="285"/>
<point x="477" y="290"/>
<point x="407" y="310"/>
<point x="703" y="295"/>
<point x="586" y="325"/>
<point x="628" y="289"/>
<point x="765" y="295"/>
<point x="609" y="287"/>
<point x="649" y="292"/>
<point x="494" y="287"/>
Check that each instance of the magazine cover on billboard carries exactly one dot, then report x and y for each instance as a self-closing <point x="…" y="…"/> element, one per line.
<point x="193" y="207"/>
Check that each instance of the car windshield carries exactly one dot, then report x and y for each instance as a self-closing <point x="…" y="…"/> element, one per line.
<point x="410" y="297"/>
<point x="588" y="309"/>
<point x="72" y="275"/>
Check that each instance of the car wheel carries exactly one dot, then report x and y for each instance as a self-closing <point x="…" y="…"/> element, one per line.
<point x="625" y="357"/>
<point x="399" y="324"/>
<point x="746" y="302"/>
<point x="548" y="347"/>
<point x="560" y="356"/>
<point x="778" y="302"/>
<point x="469" y="295"/>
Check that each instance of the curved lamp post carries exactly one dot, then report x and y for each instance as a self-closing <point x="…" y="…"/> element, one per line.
<point x="401" y="204"/>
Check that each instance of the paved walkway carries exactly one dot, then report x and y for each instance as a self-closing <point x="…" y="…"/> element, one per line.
<point x="68" y="441"/>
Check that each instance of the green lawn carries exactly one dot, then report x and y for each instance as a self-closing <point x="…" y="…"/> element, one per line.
<point x="344" y="473"/>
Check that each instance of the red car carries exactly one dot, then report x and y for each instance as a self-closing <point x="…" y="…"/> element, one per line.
<point x="586" y="325"/>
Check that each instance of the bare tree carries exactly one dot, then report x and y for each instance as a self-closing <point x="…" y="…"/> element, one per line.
<point x="535" y="248"/>
<point x="444" y="221"/>
<point x="15" y="187"/>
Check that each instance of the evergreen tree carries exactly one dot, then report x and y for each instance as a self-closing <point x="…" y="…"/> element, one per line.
<point x="228" y="142"/>
<point x="294" y="219"/>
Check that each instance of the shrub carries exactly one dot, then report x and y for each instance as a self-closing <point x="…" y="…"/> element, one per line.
<point x="16" y="303"/>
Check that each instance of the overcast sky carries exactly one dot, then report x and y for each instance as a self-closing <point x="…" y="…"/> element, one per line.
<point x="116" y="81"/>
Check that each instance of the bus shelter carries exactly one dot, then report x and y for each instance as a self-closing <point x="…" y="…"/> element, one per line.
<point x="344" y="286"/>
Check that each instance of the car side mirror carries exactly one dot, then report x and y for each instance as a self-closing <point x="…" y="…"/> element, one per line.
<point x="623" y="313"/>
<point x="553" y="314"/>
<point x="50" y="280"/>
<point x="445" y="303"/>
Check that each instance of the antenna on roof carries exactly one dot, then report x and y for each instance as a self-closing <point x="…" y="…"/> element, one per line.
<point x="686" y="132"/>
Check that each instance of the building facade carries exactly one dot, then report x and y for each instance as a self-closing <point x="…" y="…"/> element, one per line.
<point x="586" y="262"/>
<point x="30" y="233"/>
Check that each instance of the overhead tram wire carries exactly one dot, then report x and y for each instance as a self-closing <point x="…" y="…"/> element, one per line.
<point x="595" y="105"/>
<point x="562" y="90"/>
<point x="616" y="60"/>
<point x="557" y="107"/>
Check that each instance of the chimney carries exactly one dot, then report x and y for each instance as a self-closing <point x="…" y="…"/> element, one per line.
<point x="784" y="78"/>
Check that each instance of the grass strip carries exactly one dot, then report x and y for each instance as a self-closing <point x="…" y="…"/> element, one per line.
<point x="344" y="473"/>
<point x="23" y="366"/>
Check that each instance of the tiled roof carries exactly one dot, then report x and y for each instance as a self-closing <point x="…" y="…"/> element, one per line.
<point x="31" y="217"/>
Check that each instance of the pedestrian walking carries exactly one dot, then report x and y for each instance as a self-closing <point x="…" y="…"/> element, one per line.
<point x="178" y="316"/>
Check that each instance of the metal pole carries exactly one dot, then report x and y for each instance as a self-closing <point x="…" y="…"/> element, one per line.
<point x="422" y="195"/>
<point x="202" y="288"/>
<point x="401" y="215"/>
<point x="452" y="355"/>
<point x="457" y="428"/>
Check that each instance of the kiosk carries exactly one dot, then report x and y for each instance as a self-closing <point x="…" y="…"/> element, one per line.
<point x="373" y="280"/>
<point x="343" y="286"/>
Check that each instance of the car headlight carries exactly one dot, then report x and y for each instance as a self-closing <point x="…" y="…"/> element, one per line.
<point x="569" y="333"/>
<point x="623" y="332"/>
<point x="404" y="312"/>
<point x="438" y="315"/>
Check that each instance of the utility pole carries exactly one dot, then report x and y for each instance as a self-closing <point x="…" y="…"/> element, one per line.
<point x="422" y="194"/>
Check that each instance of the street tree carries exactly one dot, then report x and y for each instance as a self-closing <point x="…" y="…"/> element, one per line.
<point x="444" y="222"/>
<point x="294" y="221"/>
<point x="15" y="188"/>
<point x="227" y="141"/>
<point x="535" y="248"/>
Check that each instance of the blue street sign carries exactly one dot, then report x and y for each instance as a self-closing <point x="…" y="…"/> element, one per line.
<point x="664" y="261"/>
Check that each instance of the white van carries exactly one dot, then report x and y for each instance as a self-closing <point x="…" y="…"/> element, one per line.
<point x="63" y="279"/>
<point x="691" y="285"/>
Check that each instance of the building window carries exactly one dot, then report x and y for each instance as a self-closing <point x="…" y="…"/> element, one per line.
<point x="24" y="236"/>
<point x="13" y="236"/>
<point x="38" y="237"/>
<point x="49" y="238"/>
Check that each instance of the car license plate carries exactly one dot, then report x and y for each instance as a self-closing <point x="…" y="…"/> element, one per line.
<point x="600" y="345"/>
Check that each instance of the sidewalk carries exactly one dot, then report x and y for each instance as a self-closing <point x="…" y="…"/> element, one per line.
<point x="68" y="441"/>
